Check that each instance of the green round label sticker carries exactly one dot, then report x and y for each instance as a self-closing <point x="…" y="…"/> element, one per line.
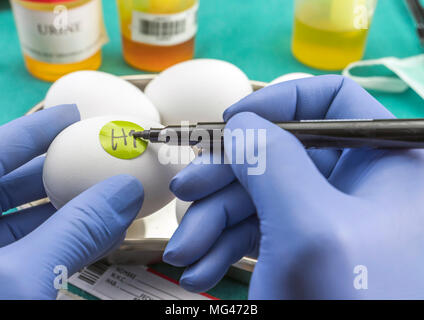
<point x="116" y="138"/>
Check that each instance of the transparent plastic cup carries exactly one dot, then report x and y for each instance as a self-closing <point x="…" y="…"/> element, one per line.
<point x="330" y="34"/>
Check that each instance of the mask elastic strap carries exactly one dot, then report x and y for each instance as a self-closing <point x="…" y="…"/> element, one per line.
<point x="384" y="84"/>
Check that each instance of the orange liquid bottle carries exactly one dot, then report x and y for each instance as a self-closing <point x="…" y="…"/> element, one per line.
<point x="157" y="34"/>
<point x="60" y="36"/>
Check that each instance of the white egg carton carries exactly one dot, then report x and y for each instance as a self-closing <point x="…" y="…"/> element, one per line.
<point x="147" y="238"/>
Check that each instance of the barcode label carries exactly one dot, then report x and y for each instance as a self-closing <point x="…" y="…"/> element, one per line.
<point x="164" y="29"/>
<point x="92" y="273"/>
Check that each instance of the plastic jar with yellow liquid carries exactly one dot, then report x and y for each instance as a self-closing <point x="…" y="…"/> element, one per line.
<point x="157" y="34"/>
<point x="330" y="34"/>
<point x="60" y="36"/>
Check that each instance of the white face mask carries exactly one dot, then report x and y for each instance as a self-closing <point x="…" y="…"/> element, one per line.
<point x="409" y="72"/>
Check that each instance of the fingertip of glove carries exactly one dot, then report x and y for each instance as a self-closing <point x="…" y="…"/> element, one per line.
<point x="191" y="284"/>
<point x="130" y="185"/>
<point x="242" y="120"/>
<point x="188" y="284"/>
<point x="177" y="187"/>
<point x="128" y="179"/>
<point x="175" y="254"/>
<point x="71" y="110"/>
<point x="227" y="114"/>
<point x="174" y="185"/>
<point x="171" y="257"/>
<point x="126" y="194"/>
<point x="236" y="107"/>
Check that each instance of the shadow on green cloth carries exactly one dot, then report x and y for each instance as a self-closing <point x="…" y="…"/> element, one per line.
<point x="4" y="5"/>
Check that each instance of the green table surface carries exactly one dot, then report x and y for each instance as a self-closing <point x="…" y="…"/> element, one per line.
<point x="255" y="35"/>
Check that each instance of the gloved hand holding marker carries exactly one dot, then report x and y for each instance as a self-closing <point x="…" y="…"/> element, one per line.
<point x="318" y="219"/>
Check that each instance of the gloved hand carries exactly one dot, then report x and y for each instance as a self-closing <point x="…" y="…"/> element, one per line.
<point x="36" y="240"/>
<point x="324" y="223"/>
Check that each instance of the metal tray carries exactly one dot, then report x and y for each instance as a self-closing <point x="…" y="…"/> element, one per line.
<point x="138" y="249"/>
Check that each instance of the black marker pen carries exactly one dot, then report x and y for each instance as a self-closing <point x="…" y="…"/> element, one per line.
<point x="339" y="134"/>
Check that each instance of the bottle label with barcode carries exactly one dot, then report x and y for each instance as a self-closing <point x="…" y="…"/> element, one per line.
<point x="164" y="29"/>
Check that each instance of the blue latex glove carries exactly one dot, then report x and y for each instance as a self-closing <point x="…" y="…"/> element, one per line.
<point x="320" y="213"/>
<point x="36" y="240"/>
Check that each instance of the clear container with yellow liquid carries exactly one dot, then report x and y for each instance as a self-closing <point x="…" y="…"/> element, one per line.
<point x="157" y="34"/>
<point x="330" y="34"/>
<point x="60" y="36"/>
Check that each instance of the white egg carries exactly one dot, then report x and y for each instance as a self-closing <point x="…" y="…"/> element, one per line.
<point x="99" y="94"/>
<point x="160" y="225"/>
<point x="197" y="90"/>
<point x="76" y="160"/>
<point x="290" y="76"/>
<point x="181" y="208"/>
